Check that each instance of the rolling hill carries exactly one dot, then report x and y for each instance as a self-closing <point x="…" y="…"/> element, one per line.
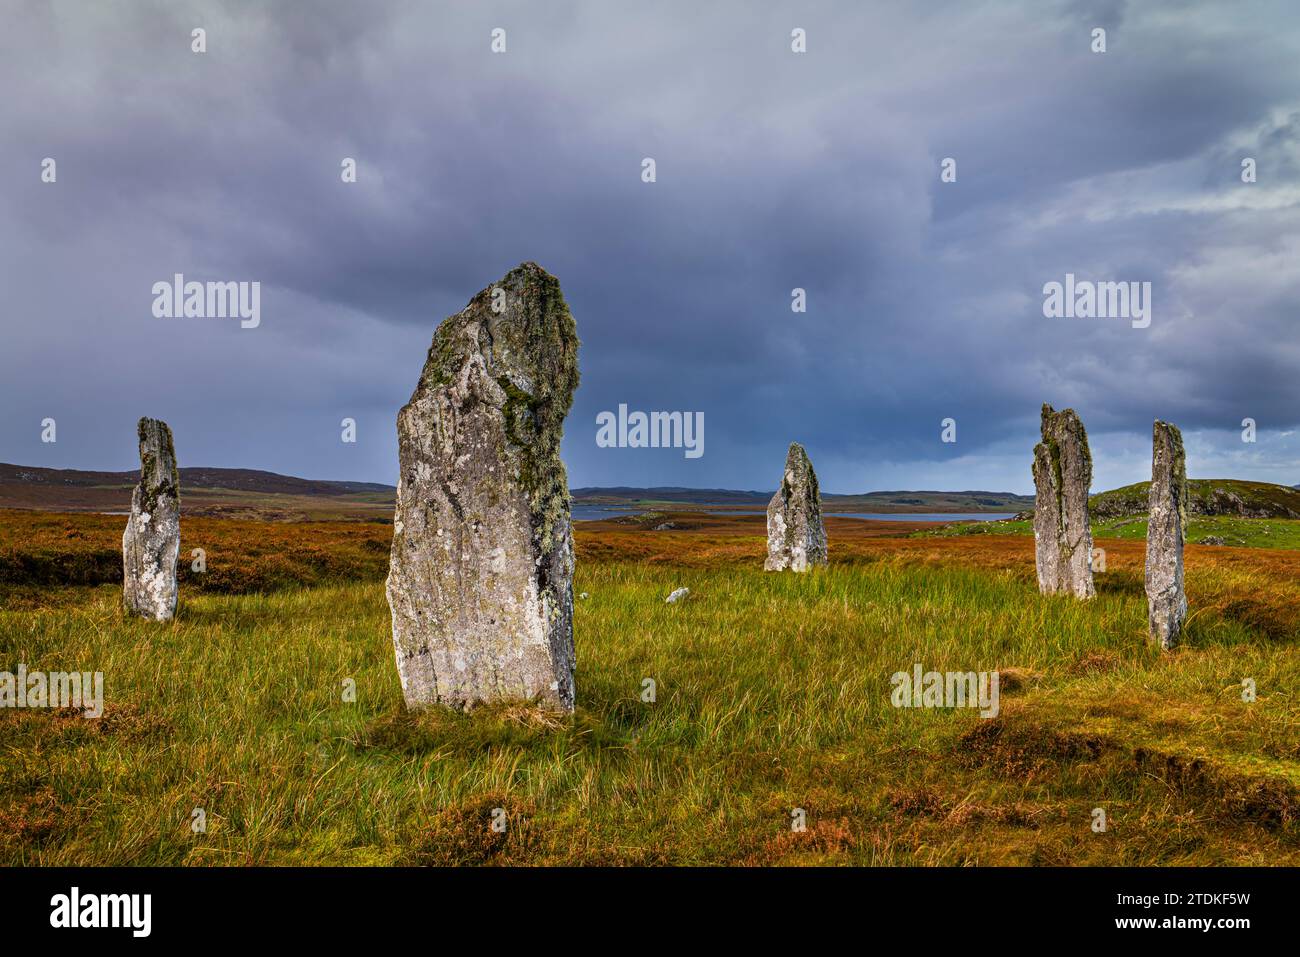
<point x="1206" y="497"/>
<point x="231" y="493"/>
<point x="884" y="502"/>
<point x="247" y="480"/>
<point x="254" y="493"/>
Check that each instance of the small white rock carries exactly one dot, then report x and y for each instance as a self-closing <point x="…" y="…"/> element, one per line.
<point x="677" y="595"/>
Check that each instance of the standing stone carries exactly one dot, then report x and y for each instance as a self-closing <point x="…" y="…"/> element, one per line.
<point x="796" y="538"/>
<point x="1062" y="478"/>
<point x="152" y="539"/>
<point x="480" y="577"/>
<point x="1166" y="529"/>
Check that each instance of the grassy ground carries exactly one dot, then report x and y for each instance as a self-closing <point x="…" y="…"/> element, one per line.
<point x="772" y="694"/>
<point x="1201" y="529"/>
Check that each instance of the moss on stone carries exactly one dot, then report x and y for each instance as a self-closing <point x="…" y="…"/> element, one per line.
<point x="158" y="473"/>
<point x="548" y="337"/>
<point x="1055" y="423"/>
<point x="533" y="343"/>
<point x="1178" y="474"/>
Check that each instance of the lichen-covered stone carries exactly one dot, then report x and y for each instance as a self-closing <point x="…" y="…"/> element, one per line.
<point x="1166" y="530"/>
<point x="796" y="538"/>
<point x="481" y="571"/>
<point x="1062" y="478"/>
<point x="152" y="539"/>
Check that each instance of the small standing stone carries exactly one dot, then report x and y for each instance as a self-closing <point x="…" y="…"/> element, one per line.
<point x="152" y="540"/>
<point x="1062" y="479"/>
<point x="1166" y="531"/>
<point x="480" y="578"/>
<point x="796" y="538"/>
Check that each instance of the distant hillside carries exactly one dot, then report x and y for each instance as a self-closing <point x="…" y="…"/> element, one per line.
<point x="232" y="493"/>
<point x="241" y="480"/>
<point x="900" y="501"/>
<point x="1206" y="497"/>
<point x="623" y="495"/>
<point x="929" y="501"/>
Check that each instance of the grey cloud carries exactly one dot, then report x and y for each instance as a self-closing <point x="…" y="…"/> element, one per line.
<point x="775" y="171"/>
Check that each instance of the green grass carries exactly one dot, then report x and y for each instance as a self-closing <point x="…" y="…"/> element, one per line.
<point x="772" y="694"/>
<point x="1201" y="529"/>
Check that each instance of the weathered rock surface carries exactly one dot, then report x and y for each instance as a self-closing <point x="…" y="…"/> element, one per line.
<point x="1206" y="497"/>
<point x="1166" y="530"/>
<point x="796" y="538"/>
<point x="152" y="540"/>
<point x="1062" y="476"/>
<point x="676" y="595"/>
<point x="480" y="576"/>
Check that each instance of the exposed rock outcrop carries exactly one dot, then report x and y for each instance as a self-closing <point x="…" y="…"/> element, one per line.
<point x="152" y="540"/>
<point x="1206" y="497"/>
<point x="796" y="538"/>
<point x="481" y="571"/>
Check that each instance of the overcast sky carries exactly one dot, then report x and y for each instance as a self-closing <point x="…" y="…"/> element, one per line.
<point x="775" y="170"/>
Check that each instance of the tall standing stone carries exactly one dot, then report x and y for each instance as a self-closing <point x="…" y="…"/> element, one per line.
<point x="1166" y="529"/>
<point x="796" y="538"/>
<point x="1062" y="478"/>
<point x="480" y="577"/>
<point x="152" y="539"/>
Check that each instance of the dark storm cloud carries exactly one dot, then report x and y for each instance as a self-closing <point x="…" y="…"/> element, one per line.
<point x="775" y="171"/>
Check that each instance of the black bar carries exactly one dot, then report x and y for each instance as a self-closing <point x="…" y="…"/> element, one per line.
<point x="332" y="905"/>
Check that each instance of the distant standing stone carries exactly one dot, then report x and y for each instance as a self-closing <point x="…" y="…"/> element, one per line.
<point x="1166" y="531"/>
<point x="152" y="540"/>
<point x="1062" y="478"/>
<point x="481" y="571"/>
<point x="796" y="538"/>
